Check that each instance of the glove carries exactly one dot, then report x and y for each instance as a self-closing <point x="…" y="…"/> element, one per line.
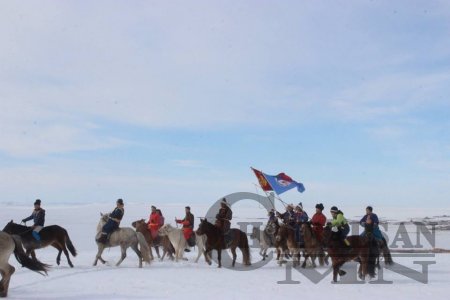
<point x="334" y="229"/>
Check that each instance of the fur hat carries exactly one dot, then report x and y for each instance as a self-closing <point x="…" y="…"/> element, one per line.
<point x="334" y="209"/>
<point x="224" y="201"/>
<point x="119" y="201"/>
<point x="188" y="207"/>
<point x="320" y="206"/>
<point x="370" y="208"/>
<point x="37" y="202"/>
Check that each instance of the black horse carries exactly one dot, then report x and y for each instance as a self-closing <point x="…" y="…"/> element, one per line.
<point x="53" y="235"/>
<point x="215" y="240"/>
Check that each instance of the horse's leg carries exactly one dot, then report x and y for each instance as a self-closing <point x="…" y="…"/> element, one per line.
<point x="138" y="253"/>
<point x="306" y="258"/>
<point x="58" y="257"/>
<point x="219" y="257"/>
<point x="101" y="247"/>
<point x="233" y="252"/>
<point x="123" y="249"/>
<point x="66" y="253"/>
<point x="6" y="274"/>
<point x="157" y="252"/>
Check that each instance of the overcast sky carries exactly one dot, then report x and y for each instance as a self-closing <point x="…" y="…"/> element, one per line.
<point x="173" y="101"/>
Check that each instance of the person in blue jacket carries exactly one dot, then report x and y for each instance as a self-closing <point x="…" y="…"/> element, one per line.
<point x="38" y="217"/>
<point x="300" y="217"/>
<point x="113" y="222"/>
<point x="371" y="219"/>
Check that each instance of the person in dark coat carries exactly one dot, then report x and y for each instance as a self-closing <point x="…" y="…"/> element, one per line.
<point x="113" y="222"/>
<point x="38" y="217"/>
<point x="188" y="227"/>
<point x="224" y="216"/>
<point x="371" y="219"/>
<point x="223" y="219"/>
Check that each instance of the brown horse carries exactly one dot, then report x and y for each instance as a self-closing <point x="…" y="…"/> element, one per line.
<point x="215" y="240"/>
<point x="52" y="235"/>
<point x="141" y="226"/>
<point x="285" y="241"/>
<point x="362" y="248"/>
<point x="313" y="247"/>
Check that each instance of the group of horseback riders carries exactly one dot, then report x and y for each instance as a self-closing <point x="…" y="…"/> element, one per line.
<point x="293" y="216"/>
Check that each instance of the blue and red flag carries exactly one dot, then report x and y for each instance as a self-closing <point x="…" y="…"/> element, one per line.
<point x="278" y="183"/>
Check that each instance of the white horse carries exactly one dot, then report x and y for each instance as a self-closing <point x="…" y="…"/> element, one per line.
<point x="124" y="237"/>
<point x="11" y="244"/>
<point x="178" y="241"/>
<point x="264" y="241"/>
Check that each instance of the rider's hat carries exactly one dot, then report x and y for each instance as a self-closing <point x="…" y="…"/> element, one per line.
<point x="37" y="202"/>
<point x="320" y="206"/>
<point x="334" y="209"/>
<point x="370" y="208"/>
<point x="119" y="201"/>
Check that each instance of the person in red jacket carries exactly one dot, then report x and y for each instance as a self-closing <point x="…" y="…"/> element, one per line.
<point x="318" y="221"/>
<point x="188" y="227"/>
<point x="154" y="222"/>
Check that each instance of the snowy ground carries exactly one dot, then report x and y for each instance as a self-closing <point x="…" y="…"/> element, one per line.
<point x="166" y="280"/>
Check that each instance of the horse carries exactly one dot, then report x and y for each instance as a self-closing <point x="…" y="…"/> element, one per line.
<point x="52" y="235"/>
<point x="362" y="249"/>
<point x="177" y="239"/>
<point x="215" y="240"/>
<point x="313" y="247"/>
<point x="382" y="248"/>
<point x="141" y="226"/>
<point x="124" y="237"/>
<point x="266" y="240"/>
<point x="287" y="245"/>
<point x="12" y="244"/>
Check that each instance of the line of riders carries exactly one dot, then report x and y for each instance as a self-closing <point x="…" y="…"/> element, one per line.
<point x="293" y="216"/>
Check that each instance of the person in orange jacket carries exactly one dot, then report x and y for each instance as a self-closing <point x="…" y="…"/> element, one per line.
<point x="154" y="222"/>
<point x="188" y="227"/>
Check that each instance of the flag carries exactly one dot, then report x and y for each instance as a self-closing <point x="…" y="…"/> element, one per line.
<point x="278" y="183"/>
<point x="262" y="180"/>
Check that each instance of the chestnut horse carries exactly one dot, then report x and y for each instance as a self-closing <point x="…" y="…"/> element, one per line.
<point x="163" y="241"/>
<point x="287" y="245"/>
<point x="313" y="247"/>
<point x="215" y="241"/>
<point x="362" y="249"/>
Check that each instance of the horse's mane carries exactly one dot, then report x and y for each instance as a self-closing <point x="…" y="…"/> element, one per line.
<point x="15" y="226"/>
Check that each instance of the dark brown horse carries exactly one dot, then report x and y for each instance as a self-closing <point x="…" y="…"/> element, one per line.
<point x="52" y="235"/>
<point x="163" y="241"/>
<point x="313" y="247"/>
<point x="286" y="243"/>
<point x="361" y="249"/>
<point x="215" y="240"/>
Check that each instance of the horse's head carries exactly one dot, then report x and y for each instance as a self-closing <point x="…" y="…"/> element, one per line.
<point x="138" y="224"/>
<point x="8" y="227"/>
<point x="282" y="233"/>
<point x="254" y="234"/>
<point x="165" y="229"/>
<point x="202" y="226"/>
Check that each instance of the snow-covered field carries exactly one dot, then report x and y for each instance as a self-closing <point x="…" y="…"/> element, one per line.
<point x="166" y="280"/>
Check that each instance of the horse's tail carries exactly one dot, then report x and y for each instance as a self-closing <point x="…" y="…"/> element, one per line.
<point x="145" y="250"/>
<point x="25" y="261"/>
<point x="386" y="253"/>
<point x="70" y="245"/>
<point x="245" y="248"/>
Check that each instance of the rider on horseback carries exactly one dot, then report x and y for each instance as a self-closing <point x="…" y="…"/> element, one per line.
<point x="371" y="219"/>
<point x="223" y="219"/>
<point x="318" y="221"/>
<point x="38" y="217"/>
<point x="300" y="218"/>
<point x="288" y="216"/>
<point x="272" y="226"/>
<point x="113" y="222"/>
<point x="188" y="227"/>
<point x="340" y="225"/>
